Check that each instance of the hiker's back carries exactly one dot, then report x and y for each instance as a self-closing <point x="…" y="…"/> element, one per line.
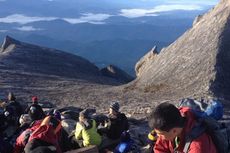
<point x="207" y="123"/>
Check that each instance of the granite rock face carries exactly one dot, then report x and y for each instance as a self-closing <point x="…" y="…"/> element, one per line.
<point x="144" y="62"/>
<point x="197" y="64"/>
<point x="116" y="73"/>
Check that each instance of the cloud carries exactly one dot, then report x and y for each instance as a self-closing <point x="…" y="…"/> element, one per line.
<point x="89" y="18"/>
<point x="195" y="2"/>
<point x="86" y="18"/>
<point x="22" y="19"/>
<point x="28" y="28"/>
<point x="134" y="13"/>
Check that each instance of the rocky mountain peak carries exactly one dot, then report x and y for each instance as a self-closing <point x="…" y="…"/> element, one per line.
<point x="145" y="60"/>
<point x="9" y="41"/>
<point x="116" y="73"/>
<point x="196" y="64"/>
<point x="25" y="57"/>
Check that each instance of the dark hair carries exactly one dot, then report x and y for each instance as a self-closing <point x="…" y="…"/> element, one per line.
<point x="165" y="117"/>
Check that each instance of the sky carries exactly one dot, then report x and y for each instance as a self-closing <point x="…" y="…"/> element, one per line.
<point x="154" y="9"/>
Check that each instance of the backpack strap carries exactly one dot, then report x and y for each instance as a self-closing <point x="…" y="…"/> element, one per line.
<point x="196" y="131"/>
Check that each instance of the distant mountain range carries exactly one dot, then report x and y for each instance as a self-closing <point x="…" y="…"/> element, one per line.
<point x="104" y="31"/>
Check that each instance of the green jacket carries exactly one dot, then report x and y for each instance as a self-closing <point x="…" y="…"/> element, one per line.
<point x="88" y="132"/>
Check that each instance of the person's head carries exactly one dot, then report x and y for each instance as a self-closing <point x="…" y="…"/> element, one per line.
<point x="36" y="113"/>
<point x="83" y="115"/>
<point x="114" y="108"/>
<point x="167" y="121"/>
<point x="35" y="99"/>
<point x="11" y="97"/>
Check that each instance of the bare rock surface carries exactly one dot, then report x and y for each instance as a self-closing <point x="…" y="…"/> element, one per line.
<point x="195" y="65"/>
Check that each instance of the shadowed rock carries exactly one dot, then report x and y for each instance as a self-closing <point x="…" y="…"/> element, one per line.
<point x="116" y="73"/>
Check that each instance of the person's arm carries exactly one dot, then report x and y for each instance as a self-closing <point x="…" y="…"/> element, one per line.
<point x="78" y="131"/>
<point x="125" y="122"/>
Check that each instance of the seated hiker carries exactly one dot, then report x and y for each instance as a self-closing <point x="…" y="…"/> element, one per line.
<point x="34" y="103"/>
<point x="86" y="130"/>
<point x="25" y="122"/>
<point x="36" y="112"/>
<point x="23" y="138"/>
<point x="46" y="137"/>
<point x="12" y="109"/>
<point x="172" y="126"/>
<point x="36" y="115"/>
<point x="117" y="122"/>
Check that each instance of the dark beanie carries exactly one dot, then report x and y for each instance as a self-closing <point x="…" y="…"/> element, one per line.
<point x="115" y="106"/>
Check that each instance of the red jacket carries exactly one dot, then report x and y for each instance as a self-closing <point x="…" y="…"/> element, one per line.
<point x="46" y="133"/>
<point x="202" y="144"/>
<point x="23" y="138"/>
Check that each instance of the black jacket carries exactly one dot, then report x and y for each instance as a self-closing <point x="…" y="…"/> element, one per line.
<point x="118" y="125"/>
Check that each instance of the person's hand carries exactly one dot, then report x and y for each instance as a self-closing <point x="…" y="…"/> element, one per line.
<point x="107" y="124"/>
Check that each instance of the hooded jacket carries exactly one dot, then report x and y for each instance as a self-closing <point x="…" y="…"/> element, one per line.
<point x="23" y="138"/>
<point x="49" y="132"/>
<point x="202" y="144"/>
<point x="88" y="132"/>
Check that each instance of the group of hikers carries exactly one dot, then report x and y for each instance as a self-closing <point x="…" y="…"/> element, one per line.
<point x="174" y="129"/>
<point x="41" y="132"/>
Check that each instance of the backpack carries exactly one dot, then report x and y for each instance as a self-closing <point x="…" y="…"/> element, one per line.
<point x="213" y="108"/>
<point x="207" y="122"/>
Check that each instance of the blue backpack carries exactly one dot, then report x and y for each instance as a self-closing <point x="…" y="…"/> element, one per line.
<point x="213" y="108"/>
<point x="207" y="116"/>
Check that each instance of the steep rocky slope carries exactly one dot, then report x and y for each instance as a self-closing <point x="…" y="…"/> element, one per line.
<point x="197" y="64"/>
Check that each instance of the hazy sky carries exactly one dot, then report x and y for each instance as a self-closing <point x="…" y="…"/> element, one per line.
<point x="153" y="8"/>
